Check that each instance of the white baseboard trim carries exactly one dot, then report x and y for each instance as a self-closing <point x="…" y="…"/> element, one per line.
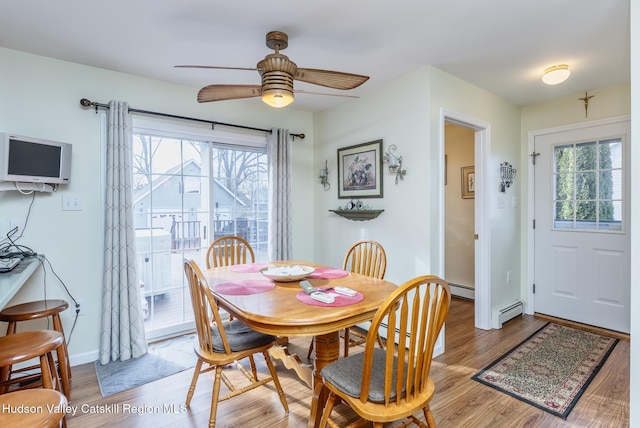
<point x="87" y="357"/>
<point x="463" y="291"/>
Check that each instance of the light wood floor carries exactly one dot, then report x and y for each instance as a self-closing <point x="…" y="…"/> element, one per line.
<point x="459" y="401"/>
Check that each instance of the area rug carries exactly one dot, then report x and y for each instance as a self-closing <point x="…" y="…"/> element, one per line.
<point x="551" y="368"/>
<point x="163" y="359"/>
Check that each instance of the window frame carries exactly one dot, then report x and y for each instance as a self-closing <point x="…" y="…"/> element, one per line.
<point x="598" y="225"/>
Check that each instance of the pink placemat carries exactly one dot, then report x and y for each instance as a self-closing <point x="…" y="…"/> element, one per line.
<point x="340" y="300"/>
<point x="244" y="287"/>
<point x="248" y="267"/>
<point x="328" y="273"/>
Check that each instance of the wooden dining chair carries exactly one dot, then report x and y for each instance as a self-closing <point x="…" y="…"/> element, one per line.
<point x="365" y="257"/>
<point x="219" y="344"/>
<point x="393" y="383"/>
<point x="228" y="251"/>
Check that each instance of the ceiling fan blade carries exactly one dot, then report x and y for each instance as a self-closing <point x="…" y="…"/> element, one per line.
<point x="330" y="79"/>
<point x="217" y="67"/>
<point x="228" y="92"/>
<point x="302" y="91"/>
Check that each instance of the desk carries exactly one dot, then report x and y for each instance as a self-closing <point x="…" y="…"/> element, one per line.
<point x="12" y="281"/>
<point x="277" y="312"/>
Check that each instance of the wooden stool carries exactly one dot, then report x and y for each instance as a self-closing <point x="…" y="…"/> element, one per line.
<point x="38" y="400"/>
<point x="26" y="345"/>
<point x="36" y="310"/>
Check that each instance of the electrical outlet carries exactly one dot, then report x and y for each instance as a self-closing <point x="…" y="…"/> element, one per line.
<point x="508" y="277"/>
<point x="78" y="309"/>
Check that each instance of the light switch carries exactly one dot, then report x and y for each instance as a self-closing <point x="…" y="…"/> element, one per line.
<point x="71" y="202"/>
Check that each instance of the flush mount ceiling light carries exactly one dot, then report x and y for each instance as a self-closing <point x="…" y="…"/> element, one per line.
<point x="556" y="74"/>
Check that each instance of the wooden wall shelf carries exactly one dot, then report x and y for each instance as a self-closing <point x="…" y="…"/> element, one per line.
<point x="358" y="215"/>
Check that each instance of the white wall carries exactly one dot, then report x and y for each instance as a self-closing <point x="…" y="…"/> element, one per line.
<point x="40" y="98"/>
<point x="503" y="118"/>
<point x="397" y="114"/>
<point x="407" y="113"/>
<point x="635" y="214"/>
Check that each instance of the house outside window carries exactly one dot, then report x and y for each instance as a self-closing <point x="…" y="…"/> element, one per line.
<point x="191" y="186"/>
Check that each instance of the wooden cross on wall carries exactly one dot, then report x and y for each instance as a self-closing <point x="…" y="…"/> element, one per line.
<point x="586" y="99"/>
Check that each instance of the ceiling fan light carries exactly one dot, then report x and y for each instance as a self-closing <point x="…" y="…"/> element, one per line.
<point x="556" y="74"/>
<point x="277" y="97"/>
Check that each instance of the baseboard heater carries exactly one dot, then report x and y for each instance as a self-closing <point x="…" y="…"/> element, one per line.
<point x="385" y="329"/>
<point x="508" y="312"/>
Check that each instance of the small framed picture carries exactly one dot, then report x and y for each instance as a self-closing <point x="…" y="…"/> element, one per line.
<point x="468" y="182"/>
<point x="360" y="171"/>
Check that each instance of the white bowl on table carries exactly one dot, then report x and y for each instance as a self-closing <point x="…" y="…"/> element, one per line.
<point x="287" y="273"/>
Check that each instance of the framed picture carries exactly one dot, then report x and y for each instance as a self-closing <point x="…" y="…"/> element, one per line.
<point x="468" y="182"/>
<point x="360" y="171"/>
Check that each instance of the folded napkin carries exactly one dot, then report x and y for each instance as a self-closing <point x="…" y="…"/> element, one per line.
<point x="340" y="299"/>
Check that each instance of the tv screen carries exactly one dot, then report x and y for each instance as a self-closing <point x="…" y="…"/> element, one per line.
<point x="33" y="159"/>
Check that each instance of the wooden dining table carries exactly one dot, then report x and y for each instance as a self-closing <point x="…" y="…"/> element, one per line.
<point x="280" y="311"/>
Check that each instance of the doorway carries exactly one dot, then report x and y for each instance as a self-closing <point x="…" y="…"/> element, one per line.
<point x="459" y="210"/>
<point x="581" y="234"/>
<point x="482" y="230"/>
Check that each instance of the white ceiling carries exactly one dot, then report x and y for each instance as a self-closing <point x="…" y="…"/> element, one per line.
<point x="499" y="45"/>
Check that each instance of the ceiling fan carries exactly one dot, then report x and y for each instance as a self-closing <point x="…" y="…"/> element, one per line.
<point x="278" y="73"/>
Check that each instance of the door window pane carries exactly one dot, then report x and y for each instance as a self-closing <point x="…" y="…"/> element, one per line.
<point x="611" y="154"/>
<point x="588" y="186"/>
<point x="586" y="158"/>
<point x="565" y="186"/>
<point x="563" y="156"/>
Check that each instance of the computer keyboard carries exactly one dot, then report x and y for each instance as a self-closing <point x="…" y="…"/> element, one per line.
<point x="8" y="263"/>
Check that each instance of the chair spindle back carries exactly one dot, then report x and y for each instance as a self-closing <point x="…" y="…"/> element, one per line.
<point x="418" y="310"/>
<point x="205" y="308"/>
<point x="228" y="251"/>
<point x="366" y="257"/>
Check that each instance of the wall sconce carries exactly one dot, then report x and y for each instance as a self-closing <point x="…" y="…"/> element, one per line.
<point x="324" y="176"/>
<point x="395" y="163"/>
<point x="507" y="174"/>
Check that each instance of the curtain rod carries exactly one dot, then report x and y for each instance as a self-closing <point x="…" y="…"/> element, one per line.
<point x="87" y="103"/>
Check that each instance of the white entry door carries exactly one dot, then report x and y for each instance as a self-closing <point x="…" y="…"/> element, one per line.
<point x="582" y="262"/>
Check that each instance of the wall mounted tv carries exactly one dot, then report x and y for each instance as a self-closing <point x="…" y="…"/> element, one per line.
<point x="34" y="160"/>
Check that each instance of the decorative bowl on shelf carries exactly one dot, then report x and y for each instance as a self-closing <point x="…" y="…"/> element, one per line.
<point x="287" y="273"/>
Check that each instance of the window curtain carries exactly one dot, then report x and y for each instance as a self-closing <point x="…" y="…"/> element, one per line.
<point x="122" y="334"/>
<point x="279" y="159"/>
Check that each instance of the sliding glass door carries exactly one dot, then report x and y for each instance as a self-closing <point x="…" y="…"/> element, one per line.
<point x="188" y="191"/>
